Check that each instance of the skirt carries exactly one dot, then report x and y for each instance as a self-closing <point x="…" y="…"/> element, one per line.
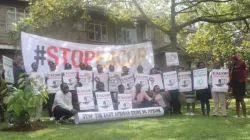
<point x="239" y="89"/>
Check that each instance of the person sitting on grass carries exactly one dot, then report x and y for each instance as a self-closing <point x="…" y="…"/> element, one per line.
<point x="138" y="97"/>
<point x="161" y="98"/>
<point x="62" y="107"/>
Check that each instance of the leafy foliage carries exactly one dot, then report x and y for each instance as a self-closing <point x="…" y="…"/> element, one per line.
<point x="23" y="101"/>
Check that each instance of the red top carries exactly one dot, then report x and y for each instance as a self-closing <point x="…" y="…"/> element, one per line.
<point x="240" y="71"/>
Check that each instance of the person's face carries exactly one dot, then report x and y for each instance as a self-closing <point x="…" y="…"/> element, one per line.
<point x="157" y="89"/>
<point x="101" y="87"/>
<point x="89" y="68"/>
<point x="99" y="69"/>
<point x="35" y="66"/>
<point x="53" y="67"/>
<point x="82" y="66"/>
<point x="234" y="61"/>
<point x="201" y="66"/>
<point x="138" y="87"/>
<point x="18" y="60"/>
<point x="121" y="89"/>
<point x="65" y="88"/>
<point x="68" y="67"/>
<point x="111" y="68"/>
<point x="140" y="69"/>
<point x="125" y="69"/>
<point x="216" y="65"/>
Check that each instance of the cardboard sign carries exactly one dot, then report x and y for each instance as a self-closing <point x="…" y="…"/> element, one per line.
<point x="86" y="78"/>
<point x="54" y="81"/>
<point x="172" y="59"/>
<point x="85" y="98"/>
<point x="142" y="79"/>
<point x="220" y="80"/>
<point x="128" y="82"/>
<point x="170" y="80"/>
<point x="114" y="81"/>
<point x="90" y="117"/>
<point x="200" y="79"/>
<point x="125" y="101"/>
<point x="8" y="67"/>
<point x="69" y="77"/>
<point x="185" y="81"/>
<point x="104" y="101"/>
<point x="155" y="79"/>
<point x="102" y="77"/>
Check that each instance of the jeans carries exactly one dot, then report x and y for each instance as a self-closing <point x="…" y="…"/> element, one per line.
<point x="203" y="103"/>
<point x="61" y="112"/>
<point x="50" y="104"/>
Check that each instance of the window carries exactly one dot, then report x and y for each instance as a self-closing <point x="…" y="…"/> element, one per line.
<point x="148" y="33"/>
<point x="98" y="31"/>
<point x="13" y="15"/>
<point x="129" y="35"/>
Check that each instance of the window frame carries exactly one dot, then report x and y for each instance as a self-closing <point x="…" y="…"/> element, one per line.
<point x="101" y="27"/>
<point x="15" y="13"/>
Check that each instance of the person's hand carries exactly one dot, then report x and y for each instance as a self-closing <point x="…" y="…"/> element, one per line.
<point x="73" y="111"/>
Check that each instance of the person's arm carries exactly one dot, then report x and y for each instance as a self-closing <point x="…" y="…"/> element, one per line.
<point x="133" y="99"/>
<point x="146" y="96"/>
<point x="60" y="102"/>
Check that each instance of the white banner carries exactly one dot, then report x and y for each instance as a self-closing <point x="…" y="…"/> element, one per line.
<point x="128" y="82"/>
<point x="69" y="77"/>
<point x="200" y="79"/>
<point x="170" y="80"/>
<point x="125" y="101"/>
<point x="8" y="67"/>
<point x="90" y="117"/>
<point x="172" y="59"/>
<point x="85" y="98"/>
<point x="155" y="79"/>
<point x="220" y="80"/>
<point x="104" y="101"/>
<point x="101" y="77"/>
<point x="185" y="81"/>
<point x="41" y="49"/>
<point x="86" y="78"/>
<point x="143" y="80"/>
<point x="114" y="81"/>
<point x="54" y="81"/>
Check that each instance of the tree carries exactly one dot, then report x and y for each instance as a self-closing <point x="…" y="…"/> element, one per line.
<point x="169" y="16"/>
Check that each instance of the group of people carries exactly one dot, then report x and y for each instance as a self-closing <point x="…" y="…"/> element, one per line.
<point x="63" y="104"/>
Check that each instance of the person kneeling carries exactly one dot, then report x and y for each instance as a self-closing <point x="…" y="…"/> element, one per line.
<point x="62" y="107"/>
<point x="138" y="98"/>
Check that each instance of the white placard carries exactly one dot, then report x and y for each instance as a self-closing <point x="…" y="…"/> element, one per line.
<point x="200" y="79"/>
<point x="142" y="79"/>
<point x="104" y="101"/>
<point x="125" y="101"/>
<point x="8" y="67"/>
<point x="170" y="80"/>
<point x="86" y="78"/>
<point x="128" y="82"/>
<point x="85" y="98"/>
<point x="220" y="80"/>
<point x="54" y="81"/>
<point x="101" y="77"/>
<point x="114" y="81"/>
<point x="38" y="77"/>
<point x="172" y="59"/>
<point x="90" y="117"/>
<point x="69" y="77"/>
<point x="155" y="79"/>
<point x="185" y="81"/>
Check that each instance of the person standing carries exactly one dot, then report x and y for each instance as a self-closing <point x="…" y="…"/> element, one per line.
<point x="140" y="69"/>
<point x="218" y="97"/>
<point x="125" y="71"/>
<point x="238" y="76"/>
<point x="203" y="95"/>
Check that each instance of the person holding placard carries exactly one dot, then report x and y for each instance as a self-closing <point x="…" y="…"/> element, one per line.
<point x="138" y="97"/>
<point x="140" y="69"/>
<point x="218" y="97"/>
<point x="75" y="96"/>
<point x="68" y="66"/>
<point x="161" y="98"/>
<point x="238" y="76"/>
<point x="121" y="90"/>
<point x="89" y="68"/>
<point x="111" y="68"/>
<point x="125" y="71"/>
<point x="62" y="107"/>
<point x="99" y="88"/>
<point x="203" y="94"/>
<point x="99" y="68"/>
<point x="82" y="66"/>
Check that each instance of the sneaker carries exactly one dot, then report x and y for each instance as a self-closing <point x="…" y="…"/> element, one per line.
<point x="51" y="118"/>
<point x="188" y="114"/>
<point x="40" y="120"/>
<point x="236" y="116"/>
<point x="243" y="117"/>
<point x="192" y="114"/>
<point x="10" y="125"/>
<point x="57" y="122"/>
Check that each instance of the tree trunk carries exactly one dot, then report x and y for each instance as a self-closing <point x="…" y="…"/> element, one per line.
<point x="173" y="31"/>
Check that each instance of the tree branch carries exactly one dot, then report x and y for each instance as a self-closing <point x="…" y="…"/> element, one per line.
<point x="149" y="20"/>
<point x="193" y="5"/>
<point x="192" y="1"/>
<point x="190" y="22"/>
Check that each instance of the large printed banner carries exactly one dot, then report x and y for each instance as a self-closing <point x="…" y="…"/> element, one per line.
<point x="41" y="49"/>
<point x="220" y="80"/>
<point x="90" y="117"/>
<point x="185" y="81"/>
<point x="200" y="79"/>
<point x="170" y="80"/>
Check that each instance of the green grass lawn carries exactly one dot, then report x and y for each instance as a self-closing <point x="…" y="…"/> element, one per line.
<point x="166" y="127"/>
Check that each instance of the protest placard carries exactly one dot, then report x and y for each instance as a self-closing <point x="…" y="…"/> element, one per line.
<point x="85" y="98"/>
<point x="200" y="79"/>
<point x="86" y="78"/>
<point x="54" y="81"/>
<point x="104" y="101"/>
<point x="114" y="81"/>
<point x="185" y="81"/>
<point x="155" y="79"/>
<point x="128" y="82"/>
<point x="142" y="79"/>
<point x="170" y="80"/>
<point x="220" y="80"/>
<point x="125" y="101"/>
<point x="69" y="77"/>
<point x="101" y="77"/>
<point x="172" y="59"/>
